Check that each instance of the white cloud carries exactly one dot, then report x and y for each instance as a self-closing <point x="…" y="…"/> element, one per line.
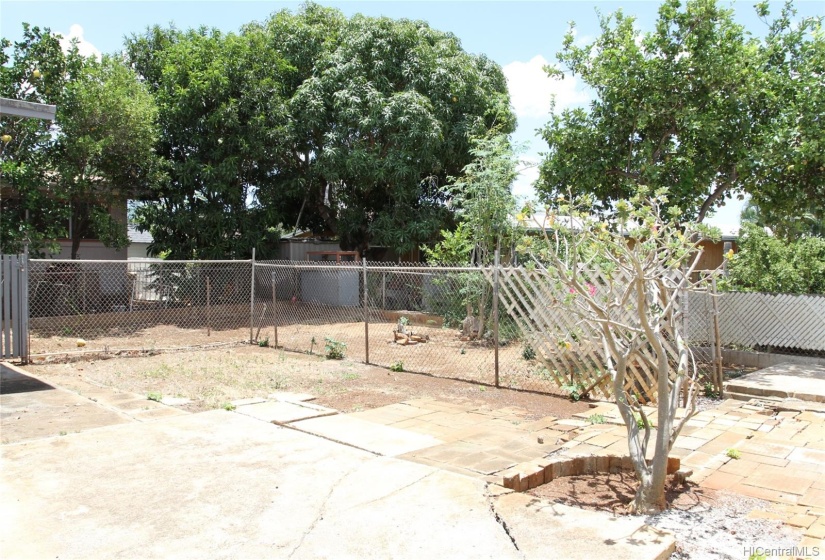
<point x="531" y="89"/>
<point x="84" y="47"/>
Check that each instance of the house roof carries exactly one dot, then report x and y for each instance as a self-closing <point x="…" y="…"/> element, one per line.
<point x="136" y="236"/>
<point x="729" y="232"/>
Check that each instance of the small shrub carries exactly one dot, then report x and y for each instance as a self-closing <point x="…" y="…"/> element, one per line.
<point x="733" y="453"/>
<point x="264" y="343"/>
<point x="528" y="353"/>
<point x="155" y="396"/>
<point x="596" y="419"/>
<point x="229" y="406"/>
<point x="334" y="349"/>
<point x="397" y="366"/>
<point x="463" y="351"/>
<point x="350" y="376"/>
<point x="709" y="390"/>
<point x="575" y="390"/>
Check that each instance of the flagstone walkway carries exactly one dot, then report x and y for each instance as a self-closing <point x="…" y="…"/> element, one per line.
<point x="775" y="453"/>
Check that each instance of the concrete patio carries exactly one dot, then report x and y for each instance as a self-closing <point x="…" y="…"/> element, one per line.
<point x="223" y="484"/>
<point x="285" y="477"/>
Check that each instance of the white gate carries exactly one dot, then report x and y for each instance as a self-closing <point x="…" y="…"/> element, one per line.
<point x="14" y="307"/>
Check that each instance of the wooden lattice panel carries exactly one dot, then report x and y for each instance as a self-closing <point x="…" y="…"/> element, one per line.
<point x="567" y="346"/>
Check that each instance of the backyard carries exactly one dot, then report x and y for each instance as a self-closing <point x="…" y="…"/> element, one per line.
<point x="212" y="378"/>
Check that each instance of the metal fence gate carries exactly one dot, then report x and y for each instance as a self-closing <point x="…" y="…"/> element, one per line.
<point x="14" y="307"/>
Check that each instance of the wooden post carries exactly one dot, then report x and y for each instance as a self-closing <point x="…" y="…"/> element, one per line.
<point x="720" y="376"/>
<point x="495" y="313"/>
<point x="208" y="307"/>
<point x="366" y="314"/>
<point x="274" y="311"/>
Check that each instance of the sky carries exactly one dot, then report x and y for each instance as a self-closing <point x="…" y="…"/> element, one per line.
<point x="520" y="36"/>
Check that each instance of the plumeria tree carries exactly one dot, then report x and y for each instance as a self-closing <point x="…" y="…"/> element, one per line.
<point x="624" y="277"/>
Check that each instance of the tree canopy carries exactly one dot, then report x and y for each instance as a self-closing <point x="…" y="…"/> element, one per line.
<point x="697" y="105"/>
<point x="222" y="117"/>
<point x="766" y="263"/>
<point x="348" y="126"/>
<point x="99" y="151"/>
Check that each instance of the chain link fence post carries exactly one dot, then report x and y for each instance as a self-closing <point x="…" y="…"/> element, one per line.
<point x="274" y="311"/>
<point x="366" y="314"/>
<point x="252" y="300"/>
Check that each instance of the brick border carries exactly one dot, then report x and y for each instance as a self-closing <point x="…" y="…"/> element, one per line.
<point x="532" y="474"/>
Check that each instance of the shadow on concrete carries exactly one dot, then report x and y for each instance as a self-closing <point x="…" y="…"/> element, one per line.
<point x="13" y="382"/>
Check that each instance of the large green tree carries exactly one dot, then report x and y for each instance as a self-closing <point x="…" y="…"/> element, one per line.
<point x="222" y="115"/>
<point x="697" y="105"/>
<point x="787" y="182"/>
<point x="32" y="211"/>
<point x="385" y="116"/>
<point x="104" y="153"/>
<point x="98" y="152"/>
<point x="313" y="120"/>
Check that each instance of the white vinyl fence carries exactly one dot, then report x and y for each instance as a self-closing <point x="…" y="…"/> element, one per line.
<point x="791" y="323"/>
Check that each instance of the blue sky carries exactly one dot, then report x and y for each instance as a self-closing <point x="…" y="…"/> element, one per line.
<point x="520" y="36"/>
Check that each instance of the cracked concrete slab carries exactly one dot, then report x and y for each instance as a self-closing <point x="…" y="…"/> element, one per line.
<point x="377" y="438"/>
<point x="279" y="412"/>
<point x="223" y="485"/>
<point x="543" y="529"/>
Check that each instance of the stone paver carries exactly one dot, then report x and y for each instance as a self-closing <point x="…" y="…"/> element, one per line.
<point x="781" y="454"/>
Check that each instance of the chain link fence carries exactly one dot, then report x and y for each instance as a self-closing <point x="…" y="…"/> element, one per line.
<point x="113" y="306"/>
<point x="407" y="317"/>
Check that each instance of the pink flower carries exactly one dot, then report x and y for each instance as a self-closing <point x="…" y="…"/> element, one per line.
<point x="591" y="289"/>
<point x="572" y="290"/>
<point x="294" y="299"/>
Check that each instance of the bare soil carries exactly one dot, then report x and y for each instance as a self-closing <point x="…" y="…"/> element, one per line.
<point x="211" y="378"/>
<point x="444" y="355"/>
<point x="613" y="491"/>
<point x="707" y="524"/>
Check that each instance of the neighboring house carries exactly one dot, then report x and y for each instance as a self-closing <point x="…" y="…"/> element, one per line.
<point x="138" y="243"/>
<point x="297" y="246"/>
<point x="305" y="246"/>
<point x="93" y="249"/>
<point x="713" y="253"/>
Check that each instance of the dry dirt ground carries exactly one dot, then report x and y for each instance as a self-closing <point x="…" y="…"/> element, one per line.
<point x="445" y="355"/>
<point x="212" y="378"/>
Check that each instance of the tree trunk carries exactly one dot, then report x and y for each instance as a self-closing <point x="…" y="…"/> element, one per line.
<point x="75" y="238"/>
<point x="650" y="497"/>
